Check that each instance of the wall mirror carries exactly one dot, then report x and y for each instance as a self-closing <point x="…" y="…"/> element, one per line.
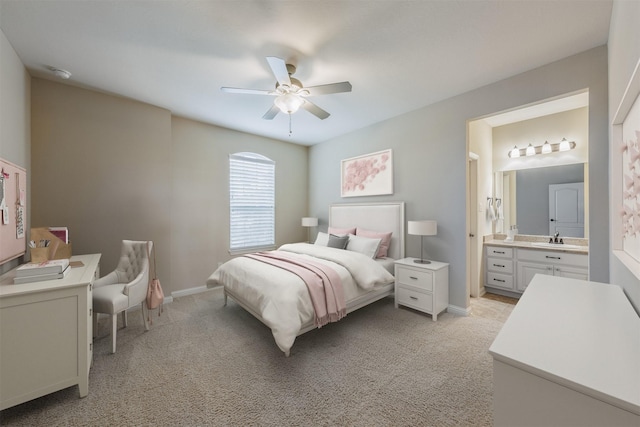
<point x="543" y="200"/>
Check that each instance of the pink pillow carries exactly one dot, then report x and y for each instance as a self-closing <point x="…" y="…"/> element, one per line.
<point x="383" y="249"/>
<point x="341" y="231"/>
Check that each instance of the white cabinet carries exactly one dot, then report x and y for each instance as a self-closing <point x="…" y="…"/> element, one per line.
<point x="552" y="263"/>
<point x="423" y="287"/>
<point x="500" y="267"/>
<point x="45" y="333"/>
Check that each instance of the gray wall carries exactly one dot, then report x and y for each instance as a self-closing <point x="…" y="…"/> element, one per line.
<point x="15" y="119"/>
<point x="624" y="55"/>
<point x="111" y="168"/>
<point x="532" y="195"/>
<point x="430" y="159"/>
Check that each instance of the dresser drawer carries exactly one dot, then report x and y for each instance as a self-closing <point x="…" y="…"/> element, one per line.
<point x="499" y="280"/>
<point x="419" y="278"/>
<point x="500" y="265"/>
<point x="415" y="299"/>
<point x="496" y="251"/>
<point x="554" y="257"/>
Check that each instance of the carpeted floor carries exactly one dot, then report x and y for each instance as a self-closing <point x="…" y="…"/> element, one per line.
<point x="205" y="364"/>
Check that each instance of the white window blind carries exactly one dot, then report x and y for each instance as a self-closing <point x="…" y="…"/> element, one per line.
<point x="252" y="202"/>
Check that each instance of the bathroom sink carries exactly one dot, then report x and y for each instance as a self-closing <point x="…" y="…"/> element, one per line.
<point x="556" y="245"/>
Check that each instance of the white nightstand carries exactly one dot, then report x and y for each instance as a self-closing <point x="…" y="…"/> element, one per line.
<point x="423" y="287"/>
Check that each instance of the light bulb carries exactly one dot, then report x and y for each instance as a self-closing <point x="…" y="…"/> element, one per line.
<point x="564" y="145"/>
<point x="288" y="103"/>
<point x="530" y="150"/>
<point x="546" y="147"/>
<point x="515" y="152"/>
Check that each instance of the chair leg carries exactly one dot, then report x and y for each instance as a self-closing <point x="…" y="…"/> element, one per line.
<point x="124" y="319"/>
<point x="145" y="315"/>
<point x="114" y="329"/>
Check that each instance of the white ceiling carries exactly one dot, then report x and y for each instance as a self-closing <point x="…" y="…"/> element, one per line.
<point x="398" y="55"/>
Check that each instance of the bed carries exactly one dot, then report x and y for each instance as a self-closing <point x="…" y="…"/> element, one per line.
<point x="281" y="300"/>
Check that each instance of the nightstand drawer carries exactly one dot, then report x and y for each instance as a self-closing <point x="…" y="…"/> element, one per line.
<point x="415" y="299"/>
<point x="420" y="278"/>
<point x="500" y="265"/>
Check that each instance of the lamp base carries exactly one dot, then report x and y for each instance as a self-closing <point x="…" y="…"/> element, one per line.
<point x="421" y="261"/>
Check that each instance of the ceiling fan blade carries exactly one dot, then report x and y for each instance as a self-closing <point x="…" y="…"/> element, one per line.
<point x="315" y="110"/>
<point x="271" y="113"/>
<point x="330" y="88"/>
<point x="279" y="69"/>
<point x="247" y="91"/>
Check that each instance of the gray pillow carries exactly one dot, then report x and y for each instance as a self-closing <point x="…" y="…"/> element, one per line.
<point x="339" y="242"/>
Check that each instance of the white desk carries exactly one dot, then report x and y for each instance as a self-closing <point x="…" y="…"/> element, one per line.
<point x="569" y="354"/>
<point x="45" y="333"/>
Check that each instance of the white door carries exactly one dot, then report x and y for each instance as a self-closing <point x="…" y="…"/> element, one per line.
<point x="566" y="209"/>
<point x="472" y="244"/>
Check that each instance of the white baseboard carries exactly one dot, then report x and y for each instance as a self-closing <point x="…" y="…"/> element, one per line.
<point x="459" y="311"/>
<point x="190" y="291"/>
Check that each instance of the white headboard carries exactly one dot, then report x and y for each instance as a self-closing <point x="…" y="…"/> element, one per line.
<point x="383" y="217"/>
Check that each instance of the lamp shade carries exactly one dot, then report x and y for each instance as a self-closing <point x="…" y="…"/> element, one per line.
<point x="309" y="222"/>
<point x="289" y="103"/>
<point x="423" y="228"/>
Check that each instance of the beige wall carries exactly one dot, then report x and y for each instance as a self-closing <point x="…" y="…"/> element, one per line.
<point x="200" y="205"/>
<point x="111" y="168"/>
<point x="15" y="118"/>
<point x="573" y="125"/>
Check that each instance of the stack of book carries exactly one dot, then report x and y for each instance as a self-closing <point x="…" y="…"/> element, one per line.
<point x="38" y="271"/>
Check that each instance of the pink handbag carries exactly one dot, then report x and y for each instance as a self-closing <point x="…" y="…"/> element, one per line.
<point x="155" y="295"/>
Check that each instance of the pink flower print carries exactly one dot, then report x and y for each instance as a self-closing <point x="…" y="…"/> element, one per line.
<point x="360" y="173"/>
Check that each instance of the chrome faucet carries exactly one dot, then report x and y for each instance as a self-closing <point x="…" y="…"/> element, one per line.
<point x="554" y="239"/>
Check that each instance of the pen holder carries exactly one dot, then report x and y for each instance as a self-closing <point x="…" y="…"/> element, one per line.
<point x="39" y="254"/>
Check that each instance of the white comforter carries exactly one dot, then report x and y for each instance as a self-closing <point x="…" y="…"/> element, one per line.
<point x="281" y="298"/>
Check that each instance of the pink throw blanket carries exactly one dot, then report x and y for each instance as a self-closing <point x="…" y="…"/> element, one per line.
<point x="323" y="282"/>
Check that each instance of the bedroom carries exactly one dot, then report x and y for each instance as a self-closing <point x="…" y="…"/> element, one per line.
<point x="109" y="140"/>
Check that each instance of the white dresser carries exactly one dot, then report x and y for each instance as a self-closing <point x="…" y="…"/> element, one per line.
<point x="568" y="355"/>
<point x="423" y="287"/>
<point x="46" y="333"/>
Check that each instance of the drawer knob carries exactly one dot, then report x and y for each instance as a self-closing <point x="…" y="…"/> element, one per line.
<point x="498" y="252"/>
<point x="552" y="257"/>
<point x="498" y="265"/>
<point x="412" y="277"/>
<point x="498" y="280"/>
<point x="414" y="298"/>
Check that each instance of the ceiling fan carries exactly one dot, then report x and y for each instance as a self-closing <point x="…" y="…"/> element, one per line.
<point x="290" y="93"/>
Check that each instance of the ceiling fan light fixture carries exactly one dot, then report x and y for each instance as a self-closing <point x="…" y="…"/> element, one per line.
<point x="289" y="103"/>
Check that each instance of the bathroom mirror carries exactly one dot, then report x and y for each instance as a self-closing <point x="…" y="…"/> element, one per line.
<point x="525" y="199"/>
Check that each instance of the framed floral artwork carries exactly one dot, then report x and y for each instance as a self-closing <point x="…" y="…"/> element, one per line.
<point x="367" y="175"/>
<point x="626" y="176"/>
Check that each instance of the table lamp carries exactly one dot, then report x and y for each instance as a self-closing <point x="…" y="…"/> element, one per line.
<point x="422" y="228"/>
<point x="309" y="222"/>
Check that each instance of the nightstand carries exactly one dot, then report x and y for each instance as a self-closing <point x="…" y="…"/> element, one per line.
<point x="423" y="287"/>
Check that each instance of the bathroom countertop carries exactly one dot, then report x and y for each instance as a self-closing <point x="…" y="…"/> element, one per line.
<point x="578" y="247"/>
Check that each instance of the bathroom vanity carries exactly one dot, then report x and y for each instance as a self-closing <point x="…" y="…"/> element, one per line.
<point x="510" y="266"/>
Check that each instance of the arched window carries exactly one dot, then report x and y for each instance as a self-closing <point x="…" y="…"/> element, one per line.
<point x="251" y="202"/>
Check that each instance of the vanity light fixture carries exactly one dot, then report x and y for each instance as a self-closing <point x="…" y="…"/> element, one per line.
<point x="545" y="148"/>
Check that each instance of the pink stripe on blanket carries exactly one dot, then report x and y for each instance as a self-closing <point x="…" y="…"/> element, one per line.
<point x="323" y="282"/>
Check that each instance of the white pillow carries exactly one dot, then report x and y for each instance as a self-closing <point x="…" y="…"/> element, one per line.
<point x="364" y="245"/>
<point x="322" y="239"/>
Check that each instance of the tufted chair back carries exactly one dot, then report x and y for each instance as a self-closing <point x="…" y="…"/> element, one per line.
<point x="133" y="263"/>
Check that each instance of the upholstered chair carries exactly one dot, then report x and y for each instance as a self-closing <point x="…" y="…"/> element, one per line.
<point x="123" y="288"/>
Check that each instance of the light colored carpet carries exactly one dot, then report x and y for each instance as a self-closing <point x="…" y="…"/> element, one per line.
<point x="205" y="364"/>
